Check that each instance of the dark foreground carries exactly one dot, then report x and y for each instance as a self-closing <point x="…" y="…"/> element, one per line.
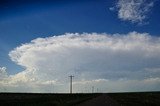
<point x="107" y="99"/>
<point x="43" y="99"/>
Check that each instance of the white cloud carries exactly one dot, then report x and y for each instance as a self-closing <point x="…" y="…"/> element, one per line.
<point x="134" y="10"/>
<point x="112" y="8"/>
<point x="119" y="60"/>
<point x="3" y="73"/>
<point x="121" y="85"/>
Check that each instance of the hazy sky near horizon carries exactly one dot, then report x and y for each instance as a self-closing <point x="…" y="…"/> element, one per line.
<point x="113" y="45"/>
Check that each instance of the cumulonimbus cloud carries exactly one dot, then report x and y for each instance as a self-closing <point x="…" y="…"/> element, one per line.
<point x="128" y="58"/>
<point x="135" y="11"/>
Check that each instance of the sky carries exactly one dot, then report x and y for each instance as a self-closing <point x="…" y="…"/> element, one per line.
<point x="113" y="45"/>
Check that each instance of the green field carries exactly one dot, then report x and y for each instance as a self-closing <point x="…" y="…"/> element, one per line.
<point x="46" y="99"/>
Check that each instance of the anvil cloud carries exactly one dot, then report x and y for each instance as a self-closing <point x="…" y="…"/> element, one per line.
<point x="113" y="62"/>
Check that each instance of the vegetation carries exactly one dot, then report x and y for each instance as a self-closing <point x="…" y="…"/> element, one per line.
<point x="137" y="98"/>
<point x="33" y="99"/>
<point x="46" y="99"/>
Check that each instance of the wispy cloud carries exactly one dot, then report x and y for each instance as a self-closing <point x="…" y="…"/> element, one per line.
<point x="91" y="57"/>
<point x="135" y="11"/>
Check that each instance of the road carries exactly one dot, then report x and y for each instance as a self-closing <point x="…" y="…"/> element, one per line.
<point x="102" y="100"/>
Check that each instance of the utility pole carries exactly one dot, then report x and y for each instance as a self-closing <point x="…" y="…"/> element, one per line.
<point x="92" y="89"/>
<point x="71" y="83"/>
<point x="52" y="87"/>
<point x="97" y="90"/>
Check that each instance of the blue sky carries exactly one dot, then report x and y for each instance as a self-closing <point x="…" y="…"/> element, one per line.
<point x="24" y="20"/>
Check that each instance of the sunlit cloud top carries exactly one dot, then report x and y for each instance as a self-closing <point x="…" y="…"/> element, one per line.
<point x="90" y="57"/>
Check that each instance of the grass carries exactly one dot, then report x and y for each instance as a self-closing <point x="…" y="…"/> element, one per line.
<point x="35" y="99"/>
<point x="44" y="99"/>
<point x="137" y="98"/>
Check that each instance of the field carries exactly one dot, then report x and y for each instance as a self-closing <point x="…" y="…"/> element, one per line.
<point x="137" y="98"/>
<point x="42" y="99"/>
<point x="46" y="99"/>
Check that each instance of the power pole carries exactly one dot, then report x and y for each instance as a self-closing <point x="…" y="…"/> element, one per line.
<point x="92" y="89"/>
<point x="52" y="87"/>
<point x="71" y="83"/>
<point x="97" y="90"/>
